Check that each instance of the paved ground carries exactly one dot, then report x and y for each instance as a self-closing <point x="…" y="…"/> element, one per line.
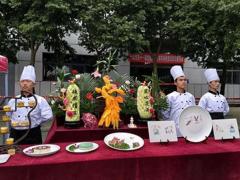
<point x="234" y="113"/>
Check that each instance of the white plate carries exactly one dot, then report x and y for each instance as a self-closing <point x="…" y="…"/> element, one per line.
<point x="53" y="149"/>
<point x="94" y="147"/>
<point x="127" y="137"/>
<point x="4" y="158"/>
<point x="195" y="123"/>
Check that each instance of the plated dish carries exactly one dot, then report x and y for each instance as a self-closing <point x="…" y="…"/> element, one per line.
<point x="41" y="150"/>
<point x="82" y="147"/>
<point x="124" y="141"/>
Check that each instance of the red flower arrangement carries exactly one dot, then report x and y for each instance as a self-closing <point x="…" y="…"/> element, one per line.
<point x="89" y="96"/>
<point x="70" y="113"/>
<point x="74" y="72"/>
<point x="152" y="100"/>
<point x="152" y="111"/>
<point x="131" y="91"/>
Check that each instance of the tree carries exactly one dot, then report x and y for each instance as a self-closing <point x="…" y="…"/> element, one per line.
<point x="110" y="25"/>
<point x="107" y="25"/>
<point x="130" y="26"/>
<point x="8" y="38"/>
<point x="38" y="22"/>
<point x="209" y="32"/>
<point x="157" y="32"/>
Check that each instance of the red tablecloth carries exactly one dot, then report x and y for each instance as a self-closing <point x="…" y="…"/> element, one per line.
<point x="181" y="161"/>
<point x="59" y="134"/>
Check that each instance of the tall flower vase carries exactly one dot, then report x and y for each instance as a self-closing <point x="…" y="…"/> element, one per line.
<point x="72" y="102"/>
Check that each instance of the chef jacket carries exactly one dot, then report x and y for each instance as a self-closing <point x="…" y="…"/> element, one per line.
<point x="40" y="114"/>
<point x="177" y="102"/>
<point x="214" y="103"/>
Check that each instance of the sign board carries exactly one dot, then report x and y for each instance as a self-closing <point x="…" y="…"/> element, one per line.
<point x="162" y="131"/>
<point x="225" y="129"/>
<point x="147" y="58"/>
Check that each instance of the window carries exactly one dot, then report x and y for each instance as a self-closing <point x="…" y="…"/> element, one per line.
<point x="139" y="70"/>
<point x="236" y="77"/>
<point x="233" y="76"/>
<point x="81" y="63"/>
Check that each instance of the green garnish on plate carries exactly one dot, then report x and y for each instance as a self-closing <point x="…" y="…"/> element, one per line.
<point x="73" y="147"/>
<point x="85" y="145"/>
<point x="120" y="145"/>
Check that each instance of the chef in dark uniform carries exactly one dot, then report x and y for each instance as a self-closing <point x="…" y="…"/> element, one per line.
<point x="179" y="99"/>
<point x="19" y="119"/>
<point x="215" y="103"/>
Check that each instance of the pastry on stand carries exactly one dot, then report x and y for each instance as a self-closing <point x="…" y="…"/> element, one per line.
<point x="10" y="145"/>
<point x="4" y="130"/>
<point x="5" y="118"/>
<point x="6" y="108"/>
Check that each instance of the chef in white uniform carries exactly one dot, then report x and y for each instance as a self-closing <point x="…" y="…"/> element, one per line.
<point x="39" y="115"/>
<point x="215" y="103"/>
<point x="179" y="99"/>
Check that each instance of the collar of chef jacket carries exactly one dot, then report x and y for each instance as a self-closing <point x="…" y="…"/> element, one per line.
<point x="30" y="95"/>
<point x="181" y="92"/>
<point x="214" y="93"/>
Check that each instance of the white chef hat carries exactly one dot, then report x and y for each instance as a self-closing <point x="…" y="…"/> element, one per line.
<point x="211" y="75"/>
<point x="176" y="71"/>
<point x="28" y="73"/>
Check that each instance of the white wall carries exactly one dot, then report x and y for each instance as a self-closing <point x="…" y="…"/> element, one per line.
<point x="194" y="73"/>
<point x="123" y="67"/>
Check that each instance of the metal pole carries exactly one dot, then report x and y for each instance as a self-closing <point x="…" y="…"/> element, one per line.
<point x="6" y="94"/>
<point x="6" y="84"/>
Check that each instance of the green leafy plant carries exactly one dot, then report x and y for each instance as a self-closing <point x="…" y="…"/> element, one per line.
<point x="108" y="64"/>
<point x="57" y="97"/>
<point x="129" y="85"/>
<point x="62" y="74"/>
<point x="87" y="84"/>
